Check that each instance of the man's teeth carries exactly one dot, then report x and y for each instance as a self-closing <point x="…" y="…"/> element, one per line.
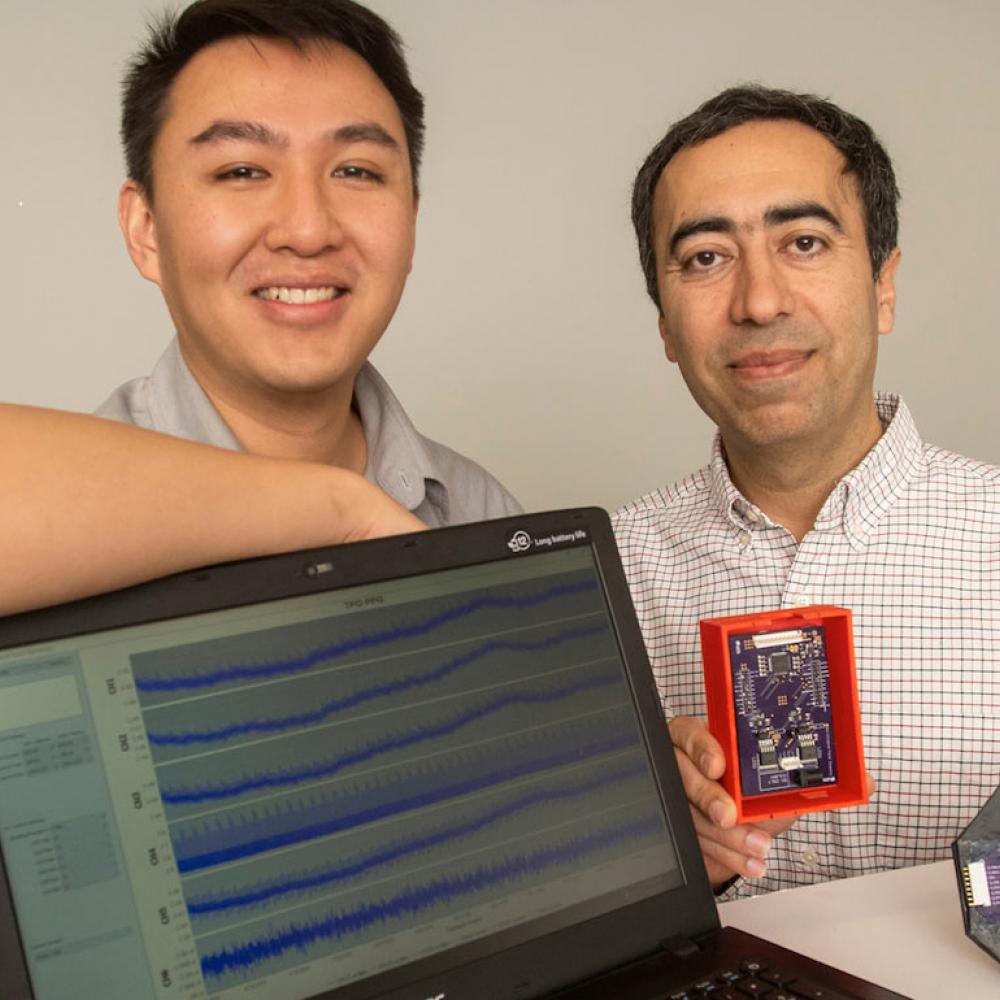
<point x="297" y="296"/>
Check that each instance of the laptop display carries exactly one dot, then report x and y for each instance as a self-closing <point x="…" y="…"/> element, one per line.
<point x="294" y="795"/>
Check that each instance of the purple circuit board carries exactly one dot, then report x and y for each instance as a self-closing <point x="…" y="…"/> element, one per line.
<point x="782" y="702"/>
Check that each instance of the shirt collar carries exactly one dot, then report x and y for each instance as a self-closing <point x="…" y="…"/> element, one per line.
<point x="859" y="501"/>
<point x="738" y="511"/>
<point x="178" y="404"/>
<point x="398" y="458"/>
<point x="871" y="488"/>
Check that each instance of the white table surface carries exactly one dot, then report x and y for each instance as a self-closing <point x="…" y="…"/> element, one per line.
<point x="901" y="929"/>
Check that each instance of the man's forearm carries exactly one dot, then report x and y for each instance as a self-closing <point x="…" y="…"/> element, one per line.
<point x="88" y="505"/>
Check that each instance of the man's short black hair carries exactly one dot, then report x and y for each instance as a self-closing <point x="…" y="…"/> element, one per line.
<point x="865" y="159"/>
<point x="176" y="38"/>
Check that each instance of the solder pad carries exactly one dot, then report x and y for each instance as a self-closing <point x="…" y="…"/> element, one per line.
<point x="783" y="719"/>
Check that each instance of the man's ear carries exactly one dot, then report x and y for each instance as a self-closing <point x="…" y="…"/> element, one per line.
<point x="885" y="292"/>
<point x="416" y="213"/>
<point x="135" y="216"/>
<point x="668" y="345"/>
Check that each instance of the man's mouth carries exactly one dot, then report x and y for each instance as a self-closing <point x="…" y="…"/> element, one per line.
<point x="299" y="296"/>
<point x="770" y="364"/>
<point x="766" y="359"/>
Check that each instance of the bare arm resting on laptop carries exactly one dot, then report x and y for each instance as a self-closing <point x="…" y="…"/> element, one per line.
<point x="88" y="505"/>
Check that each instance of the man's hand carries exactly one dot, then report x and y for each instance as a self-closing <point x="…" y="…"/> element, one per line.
<point x="728" y="848"/>
<point x="366" y="512"/>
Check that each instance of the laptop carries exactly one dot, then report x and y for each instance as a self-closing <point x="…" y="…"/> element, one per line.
<point x="427" y="767"/>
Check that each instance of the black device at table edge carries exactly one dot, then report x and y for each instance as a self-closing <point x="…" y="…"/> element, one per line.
<point x="429" y="766"/>
<point x="976" y="854"/>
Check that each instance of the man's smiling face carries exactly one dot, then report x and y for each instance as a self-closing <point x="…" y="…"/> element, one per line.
<point x="282" y="222"/>
<point x="768" y="301"/>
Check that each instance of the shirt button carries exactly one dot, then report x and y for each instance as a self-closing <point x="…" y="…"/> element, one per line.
<point x="745" y="538"/>
<point x="810" y="858"/>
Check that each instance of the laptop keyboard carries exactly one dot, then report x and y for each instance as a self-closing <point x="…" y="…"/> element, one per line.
<point x="755" y="979"/>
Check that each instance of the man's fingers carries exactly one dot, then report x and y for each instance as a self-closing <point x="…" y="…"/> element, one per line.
<point x="738" y="851"/>
<point x="692" y="736"/>
<point x="728" y="848"/>
<point x="701" y="762"/>
<point x="744" y="838"/>
<point x="707" y="796"/>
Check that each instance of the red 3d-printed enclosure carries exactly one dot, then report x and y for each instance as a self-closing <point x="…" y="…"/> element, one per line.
<point x="783" y="703"/>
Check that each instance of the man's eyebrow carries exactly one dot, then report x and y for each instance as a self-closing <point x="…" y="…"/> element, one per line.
<point x="363" y="132"/>
<point x="247" y="131"/>
<point x="778" y="215"/>
<point x="709" y="224"/>
<point x="239" y="131"/>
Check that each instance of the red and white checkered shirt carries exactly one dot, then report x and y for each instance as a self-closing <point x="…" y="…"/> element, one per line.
<point x="910" y="541"/>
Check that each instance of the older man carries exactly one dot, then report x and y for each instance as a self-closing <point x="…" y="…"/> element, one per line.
<point x="273" y="151"/>
<point x="767" y="231"/>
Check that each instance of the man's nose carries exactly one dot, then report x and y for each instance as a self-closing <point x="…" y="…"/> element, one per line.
<point x="761" y="292"/>
<point x="304" y="217"/>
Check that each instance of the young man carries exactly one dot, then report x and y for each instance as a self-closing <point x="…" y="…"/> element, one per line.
<point x="272" y="151"/>
<point x="112" y="505"/>
<point x="767" y="232"/>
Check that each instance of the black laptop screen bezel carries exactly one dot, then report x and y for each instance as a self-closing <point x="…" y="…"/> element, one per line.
<point x="528" y="968"/>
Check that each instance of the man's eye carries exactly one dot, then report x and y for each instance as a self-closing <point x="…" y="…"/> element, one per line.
<point x="808" y="245"/>
<point x="702" y="260"/>
<point x="357" y="173"/>
<point x="241" y="173"/>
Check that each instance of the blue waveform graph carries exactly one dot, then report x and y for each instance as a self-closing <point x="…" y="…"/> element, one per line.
<point x="245" y="833"/>
<point x="229" y="958"/>
<point x="543" y="702"/>
<point x="331" y="782"/>
<point x="522" y="652"/>
<point x="433" y="835"/>
<point x="170" y="671"/>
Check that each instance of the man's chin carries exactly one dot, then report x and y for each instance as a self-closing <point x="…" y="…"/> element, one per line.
<point x="307" y="373"/>
<point x="303" y="387"/>
<point x="774" y="426"/>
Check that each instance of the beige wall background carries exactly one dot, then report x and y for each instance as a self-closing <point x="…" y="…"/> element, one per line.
<point x="525" y="338"/>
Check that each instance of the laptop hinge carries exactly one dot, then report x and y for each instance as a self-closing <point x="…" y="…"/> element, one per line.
<point x="680" y="946"/>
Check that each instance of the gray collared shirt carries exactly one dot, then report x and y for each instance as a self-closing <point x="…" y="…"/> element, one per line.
<point x="435" y="483"/>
